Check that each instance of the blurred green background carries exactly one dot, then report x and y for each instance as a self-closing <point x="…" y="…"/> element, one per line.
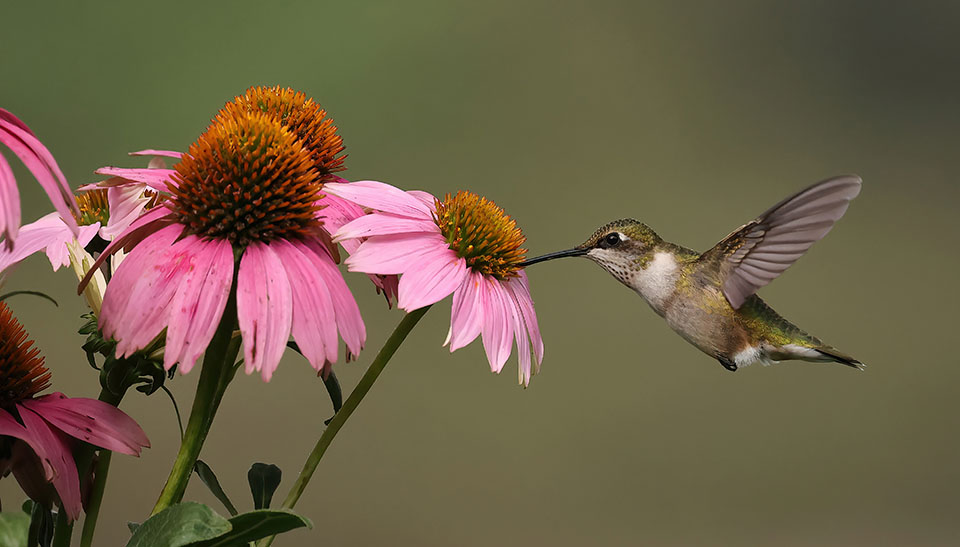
<point x="693" y="117"/>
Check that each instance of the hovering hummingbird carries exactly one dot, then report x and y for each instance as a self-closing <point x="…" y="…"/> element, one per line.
<point x="709" y="298"/>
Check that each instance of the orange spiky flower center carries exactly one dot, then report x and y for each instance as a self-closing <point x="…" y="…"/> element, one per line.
<point x="246" y="179"/>
<point x="93" y="207"/>
<point x="480" y="232"/>
<point x="302" y="116"/>
<point x="22" y="374"/>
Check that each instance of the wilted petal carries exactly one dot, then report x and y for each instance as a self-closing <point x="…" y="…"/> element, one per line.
<point x="198" y="304"/>
<point x="92" y="421"/>
<point x="52" y="447"/>
<point x="264" y="308"/>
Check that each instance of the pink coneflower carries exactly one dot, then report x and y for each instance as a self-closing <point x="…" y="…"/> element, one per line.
<point x="464" y="245"/>
<point x="24" y="144"/>
<point x="246" y="191"/>
<point x="36" y="433"/>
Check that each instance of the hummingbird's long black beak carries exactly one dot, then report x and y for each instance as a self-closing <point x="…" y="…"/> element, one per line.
<point x="576" y="251"/>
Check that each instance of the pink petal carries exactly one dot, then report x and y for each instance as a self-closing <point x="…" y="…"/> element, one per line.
<point x="264" y="308"/>
<point x="148" y="223"/>
<point x="158" y="179"/>
<point x="92" y="421"/>
<point x="40" y="162"/>
<point x="153" y="152"/>
<point x="438" y="274"/>
<point x="198" y="304"/>
<point x="466" y="314"/>
<point x="379" y="224"/>
<point x="394" y="254"/>
<point x="425" y="197"/>
<point x="349" y="321"/>
<point x="497" y="328"/>
<point x="335" y="213"/>
<point x="53" y="448"/>
<point x="138" y="297"/>
<point x="9" y="203"/>
<point x="126" y="203"/>
<point x="47" y="233"/>
<point x="314" y="324"/>
<point x="11" y="428"/>
<point x="521" y="291"/>
<point x="382" y="197"/>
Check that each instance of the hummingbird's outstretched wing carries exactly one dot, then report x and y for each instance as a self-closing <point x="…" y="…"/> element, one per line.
<point x="759" y="251"/>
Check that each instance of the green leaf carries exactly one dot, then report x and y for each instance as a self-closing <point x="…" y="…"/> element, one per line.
<point x="132" y="526"/>
<point x="257" y="524"/>
<point x="179" y="525"/>
<point x="264" y="480"/>
<point x="14" y="529"/>
<point x="209" y="478"/>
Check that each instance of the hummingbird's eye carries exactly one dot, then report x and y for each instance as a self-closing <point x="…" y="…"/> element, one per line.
<point x="610" y="240"/>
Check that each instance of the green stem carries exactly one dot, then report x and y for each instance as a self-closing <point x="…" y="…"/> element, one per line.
<point x="214" y="376"/>
<point x="353" y="401"/>
<point x="62" y="530"/>
<point x="96" y="498"/>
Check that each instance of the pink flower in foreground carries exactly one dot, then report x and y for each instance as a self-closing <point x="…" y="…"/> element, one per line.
<point x="464" y="245"/>
<point x="37" y="433"/>
<point x="24" y="144"/>
<point x="246" y="191"/>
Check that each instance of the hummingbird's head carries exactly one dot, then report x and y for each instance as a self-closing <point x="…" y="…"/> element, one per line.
<point x="617" y="247"/>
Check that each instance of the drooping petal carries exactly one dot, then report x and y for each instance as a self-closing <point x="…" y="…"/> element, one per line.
<point x="153" y="152"/>
<point x="349" y="322"/>
<point x="264" y="308"/>
<point x="314" y="324"/>
<point x="47" y="233"/>
<point x="53" y="447"/>
<point x="439" y="274"/>
<point x="11" y="428"/>
<point x="40" y="162"/>
<point x="382" y="197"/>
<point x="92" y="421"/>
<point x="9" y="203"/>
<point x="198" y="304"/>
<point x="154" y="178"/>
<point x="466" y="314"/>
<point x="384" y="224"/>
<point x="137" y="301"/>
<point x="520" y="287"/>
<point x="393" y="254"/>
<point x="497" y="328"/>
<point x="336" y="212"/>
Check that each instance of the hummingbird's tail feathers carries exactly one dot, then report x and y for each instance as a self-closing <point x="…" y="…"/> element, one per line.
<point x="832" y="354"/>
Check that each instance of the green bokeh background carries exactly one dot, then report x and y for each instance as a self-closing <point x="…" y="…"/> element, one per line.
<point x="693" y="117"/>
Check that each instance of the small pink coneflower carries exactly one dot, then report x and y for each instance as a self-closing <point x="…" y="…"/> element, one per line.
<point x="462" y="244"/>
<point x="247" y="190"/>
<point x="24" y="144"/>
<point x="37" y="433"/>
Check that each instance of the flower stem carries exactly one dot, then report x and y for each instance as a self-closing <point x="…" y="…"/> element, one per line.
<point x="96" y="497"/>
<point x="353" y="401"/>
<point x="215" y="374"/>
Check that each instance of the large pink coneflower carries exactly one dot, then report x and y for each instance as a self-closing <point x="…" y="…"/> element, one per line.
<point x="245" y="193"/>
<point x="38" y="434"/>
<point x="24" y="144"/>
<point x="464" y="245"/>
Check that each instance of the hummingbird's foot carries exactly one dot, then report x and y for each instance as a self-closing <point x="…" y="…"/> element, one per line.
<point x="727" y="363"/>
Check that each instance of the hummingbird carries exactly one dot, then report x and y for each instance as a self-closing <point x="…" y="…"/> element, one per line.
<point x="709" y="298"/>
